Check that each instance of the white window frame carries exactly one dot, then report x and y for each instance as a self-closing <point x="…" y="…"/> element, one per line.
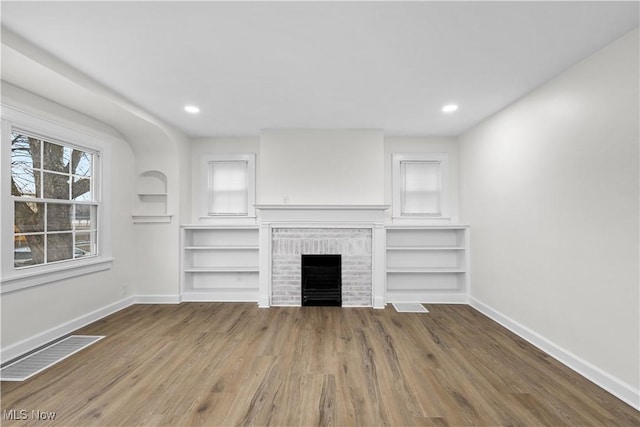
<point x="13" y="279"/>
<point x="206" y="180"/>
<point x="443" y="160"/>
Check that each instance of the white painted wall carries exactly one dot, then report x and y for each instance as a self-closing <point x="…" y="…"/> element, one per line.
<point x="337" y="167"/>
<point x="550" y="186"/>
<point x="157" y="246"/>
<point x="423" y="144"/>
<point x="32" y="312"/>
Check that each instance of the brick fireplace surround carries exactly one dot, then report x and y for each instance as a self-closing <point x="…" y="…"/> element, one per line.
<point x="354" y="231"/>
<point x="288" y="244"/>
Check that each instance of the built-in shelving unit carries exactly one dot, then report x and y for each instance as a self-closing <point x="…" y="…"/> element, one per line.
<point x="219" y="263"/>
<point x="151" y="204"/>
<point x="427" y="264"/>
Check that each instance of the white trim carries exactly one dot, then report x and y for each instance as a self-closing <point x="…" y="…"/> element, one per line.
<point x="22" y="347"/>
<point x="158" y="299"/>
<point x="613" y="385"/>
<point x="205" y="184"/>
<point x="428" y="298"/>
<point x="264" y="257"/>
<point x="231" y="220"/>
<point x="443" y="160"/>
<point x="321" y="214"/>
<point x="13" y="279"/>
<point x="151" y="219"/>
<point x="43" y="338"/>
<point x="54" y="273"/>
<point x="221" y="296"/>
<point x="427" y="227"/>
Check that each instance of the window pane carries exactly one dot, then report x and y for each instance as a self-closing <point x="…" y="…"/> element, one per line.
<point x="56" y="157"/>
<point x="420" y="188"/>
<point x="28" y="250"/>
<point x="81" y="163"/>
<point x="85" y="217"/>
<point x="229" y="191"/>
<point x="25" y="155"/>
<point x="29" y="217"/>
<point x="85" y="244"/>
<point x="25" y="182"/>
<point x="81" y="189"/>
<point x="55" y="186"/>
<point x="25" y="150"/>
<point x="59" y="217"/>
<point x="59" y="247"/>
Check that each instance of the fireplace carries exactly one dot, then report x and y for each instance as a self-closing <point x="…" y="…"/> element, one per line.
<point x="321" y="280"/>
<point x="354" y="232"/>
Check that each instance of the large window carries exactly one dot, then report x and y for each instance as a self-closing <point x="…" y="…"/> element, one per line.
<point x="420" y="184"/>
<point x="55" y="222"/>
<point x="55" y="204"/>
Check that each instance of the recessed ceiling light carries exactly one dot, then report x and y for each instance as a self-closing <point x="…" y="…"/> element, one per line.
<point x="191" y="109"/>
<point x="449" y="108"/>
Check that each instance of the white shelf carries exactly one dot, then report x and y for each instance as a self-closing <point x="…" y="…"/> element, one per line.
<point x="151" y="219"/>
<point x="425" y="248"/>
<point x="424" y="270"/>
<point x="221" y="269"/>
<point x="427" y="263"/>
<point x="219" y="227"/>
<point x="220" y="248"/>
<point x="427" y="227"/>
<point x="220" y="262"/>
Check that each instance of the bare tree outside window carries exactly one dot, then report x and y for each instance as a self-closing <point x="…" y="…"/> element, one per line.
<point x="54" y="205"/>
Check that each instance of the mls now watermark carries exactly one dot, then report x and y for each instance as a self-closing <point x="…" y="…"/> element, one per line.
<point x="23" y="414"/>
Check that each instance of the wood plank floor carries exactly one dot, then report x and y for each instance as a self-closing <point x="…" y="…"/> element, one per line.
<point x="235" y="364"/>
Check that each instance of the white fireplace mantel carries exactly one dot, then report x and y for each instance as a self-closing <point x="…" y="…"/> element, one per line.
<point x="323" y="216"/>
<point x="321" y="213"/>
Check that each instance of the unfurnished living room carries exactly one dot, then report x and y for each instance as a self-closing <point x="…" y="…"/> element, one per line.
<point x="306" y="213"/>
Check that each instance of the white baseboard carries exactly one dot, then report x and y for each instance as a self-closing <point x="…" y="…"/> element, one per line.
<point x="22" y="347"/>
<point x="158" y="299"/>
<point x="378" y="302"/>
<point x="613" y="385"/>
<point x="31" y="343"/>
<point x="428" y="298"/>
<point x="251" y="296"/>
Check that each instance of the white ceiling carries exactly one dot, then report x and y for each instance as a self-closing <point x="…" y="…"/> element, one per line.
<point x="264" y="65"/>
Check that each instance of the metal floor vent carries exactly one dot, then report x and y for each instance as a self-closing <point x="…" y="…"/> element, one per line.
<point x="36" y="362"/>
<point x="409" y="307"/>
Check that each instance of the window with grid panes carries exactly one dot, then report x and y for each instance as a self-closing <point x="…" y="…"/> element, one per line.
<point x="53" y="187"/>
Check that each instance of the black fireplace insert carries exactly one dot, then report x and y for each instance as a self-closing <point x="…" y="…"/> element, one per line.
<point x="322" y="280"/>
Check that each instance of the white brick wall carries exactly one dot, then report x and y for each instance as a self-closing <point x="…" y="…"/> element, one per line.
<point x="354" y="244"/>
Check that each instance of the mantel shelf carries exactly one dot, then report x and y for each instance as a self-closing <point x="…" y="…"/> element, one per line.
<point x="323" y="207"/>
<point x="321" y="213"/>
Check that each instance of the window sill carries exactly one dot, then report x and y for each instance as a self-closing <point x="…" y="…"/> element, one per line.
<point x="29" y="278"/>
<point x="420" y="219"/>
<point x="225" y="220"/>
<point x="151" y="219"/>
